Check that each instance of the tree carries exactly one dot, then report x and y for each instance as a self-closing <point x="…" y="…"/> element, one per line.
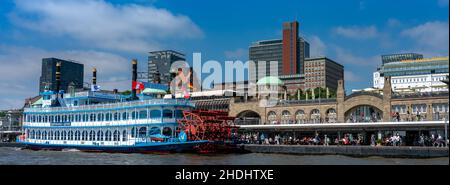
<point x="2" y="114"/>
<point x="127" y="92"/>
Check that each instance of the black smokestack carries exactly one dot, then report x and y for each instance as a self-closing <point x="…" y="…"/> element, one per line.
<point x="94" y="76"/>
<point x="58" y="76"/>
<point x="134" y="78"/>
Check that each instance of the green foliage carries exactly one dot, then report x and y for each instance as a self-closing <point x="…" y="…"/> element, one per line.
<point x="127" y="92"/>
<point x="322" y="92"/>
<point x="2" y="114"/>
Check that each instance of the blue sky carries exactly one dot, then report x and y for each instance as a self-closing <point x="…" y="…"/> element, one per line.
<point x="109" y="33"/>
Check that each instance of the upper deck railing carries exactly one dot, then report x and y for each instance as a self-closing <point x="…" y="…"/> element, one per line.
<point x="127" y="104"/>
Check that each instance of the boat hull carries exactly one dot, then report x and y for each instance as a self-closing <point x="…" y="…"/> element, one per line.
<point x="138" y="148"/>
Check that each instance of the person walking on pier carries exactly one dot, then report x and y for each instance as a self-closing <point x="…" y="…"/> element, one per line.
<point x="372" y="140"/>
<point x="326" y="140"/>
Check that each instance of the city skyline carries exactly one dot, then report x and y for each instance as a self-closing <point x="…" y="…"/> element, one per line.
<point x="110" y="33"/>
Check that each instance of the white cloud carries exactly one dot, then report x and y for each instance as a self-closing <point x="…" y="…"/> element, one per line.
<point x="357" y="32"/>
<point x="317" y="46"/>
<point x="103" y="25"/>
<point x="237" y="54"/>
<point x="21" y="69"/>
<point x="430" y="36"/>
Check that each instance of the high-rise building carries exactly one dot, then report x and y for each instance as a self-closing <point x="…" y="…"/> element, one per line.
<point x="289" y="53"/>
<point x="295" y="50"/>
<point x="71" y="73"/>
<point x="399" y="57"/>
<point x="420" y="75"/>
<point x="262" y="53"/>
<point x="159" y="64"/>
<point x="322" y="72"/>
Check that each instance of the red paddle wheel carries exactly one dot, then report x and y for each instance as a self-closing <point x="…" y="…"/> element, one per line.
<point x="214" y="126"/>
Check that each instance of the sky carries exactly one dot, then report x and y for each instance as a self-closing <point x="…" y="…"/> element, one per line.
<point x="107" y="34"/>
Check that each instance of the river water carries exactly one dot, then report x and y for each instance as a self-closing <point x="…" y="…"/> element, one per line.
<point x="18" y="156"/>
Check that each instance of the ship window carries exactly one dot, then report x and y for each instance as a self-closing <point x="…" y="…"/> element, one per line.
<point x="142" y="131"/>
<point x="155" y="114"/>
<point x="99" y="117"/>
<point x="77" y="135"/>
<point x="116" y="136"/>
<point x="92" y="117"/>
<point x="64" y="135"/>
<point x="154" y="131"/>
<point x="84" y="136"/>
<point x="167" y="113"/>
<point x="99" y="136"/>
<point x="50" y="135"/>
<point x="116" y="116"/>
<point x="85" y="117"/>
<point x="32" y="136"/>
<point x="124" y="135"/>
<point x="108" y="136"/>
<point x="45" y="119"/>
<point x="134" y="115"/>
<point x="57" y="135"/>
<point x="70" y="135"/>
<point x="133" y="132"/>
<point x="143" y="114"/>
<point x="64" y="118"/>
<point x="125" y="116"/>
<point x="167" y="131"/>
<point x="38" y="134"/>
<point x="44" y="135"/>
<point x="92" y="136"/>
<point x="108" y="116"/>
<point x="39" y="118"/>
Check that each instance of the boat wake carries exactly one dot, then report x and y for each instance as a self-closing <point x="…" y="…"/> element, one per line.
<point x="70" y="150"/>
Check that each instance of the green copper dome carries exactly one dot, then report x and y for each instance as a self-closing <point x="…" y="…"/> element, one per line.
<point x="270" y="80"/>
<point x="153" y="91"/>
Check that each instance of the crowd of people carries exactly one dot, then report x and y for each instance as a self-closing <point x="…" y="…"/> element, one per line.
<point x="278" y="139"/>
<point x="433" y="140"/>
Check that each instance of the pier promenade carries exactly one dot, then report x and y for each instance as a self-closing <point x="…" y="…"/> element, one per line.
<point x="358" y="151"/>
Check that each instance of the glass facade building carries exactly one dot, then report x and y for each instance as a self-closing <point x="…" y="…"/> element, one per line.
<point x="400" y="57"/>
<point x="423" y="75"/>
<point x="288" y="53"/>
<point x="71" y="73"/>
<point x="159" y="63"/>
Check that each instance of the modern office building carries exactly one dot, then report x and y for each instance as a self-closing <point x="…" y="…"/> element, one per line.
<point x="399" y="57"/>
<point x="71" y="73"/>
<point x="322" y="72"/>
<point x="262" y="53"/>
<point x="421" y="75"/>
<point x="289" y="53"/>
<point x="159" y="63"/>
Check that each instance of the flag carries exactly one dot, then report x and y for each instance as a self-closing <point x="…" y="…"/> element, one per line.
<point x="95" y="88"/>
<point x="138" y="85"/>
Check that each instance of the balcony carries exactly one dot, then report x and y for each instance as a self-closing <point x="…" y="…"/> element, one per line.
<point x="182" y="102"/>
